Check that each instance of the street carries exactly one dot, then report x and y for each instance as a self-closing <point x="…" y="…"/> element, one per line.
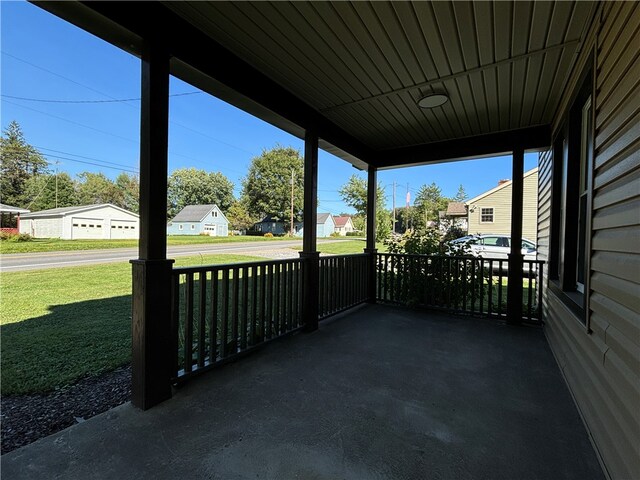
<point x="37" y="261"/>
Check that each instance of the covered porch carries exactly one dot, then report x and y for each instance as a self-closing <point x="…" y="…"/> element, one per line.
<point x="377" y="392"/>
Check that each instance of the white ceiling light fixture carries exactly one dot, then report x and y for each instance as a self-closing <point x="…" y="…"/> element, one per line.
<point x="433" y="100"/>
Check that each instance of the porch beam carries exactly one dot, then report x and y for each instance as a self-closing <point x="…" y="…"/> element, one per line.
<point x="372" y="198"/>
<point x="490" y="144"/>
<point x="151" y="272"/>
<point x="310" y="254"/>
<point x="514" y="287"/>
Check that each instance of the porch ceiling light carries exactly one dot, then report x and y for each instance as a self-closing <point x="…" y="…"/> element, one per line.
<point x="433" y="100"/>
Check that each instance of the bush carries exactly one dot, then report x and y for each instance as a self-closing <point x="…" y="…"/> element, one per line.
<point x="354" y="234"/>
<point x="12" y="237"/>
<point x="335" y="234"/>
<point x="268" y="235"/>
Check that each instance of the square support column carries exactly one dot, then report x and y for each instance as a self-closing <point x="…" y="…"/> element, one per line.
<point x="372" y="198"/>
<point x="151" y="272"/>
<point x="310" y="254"/>
<point x="514" y="288"/>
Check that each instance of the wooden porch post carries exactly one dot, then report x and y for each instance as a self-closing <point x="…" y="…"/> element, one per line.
<point x="514" y="288"/>
<point x="372" y="191"/>
<point x="151" y="340"/>
<point x="309" y="254"/>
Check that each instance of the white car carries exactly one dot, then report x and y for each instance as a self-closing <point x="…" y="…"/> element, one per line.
<point x="495" y="246"/>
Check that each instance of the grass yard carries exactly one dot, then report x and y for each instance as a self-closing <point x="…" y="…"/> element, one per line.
<point x="56" y="244"/>
<point x="346" y="247"/>
<point x="58" y="325"/>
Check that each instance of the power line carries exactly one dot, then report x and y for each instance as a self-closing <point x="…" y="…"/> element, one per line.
<point x="115" y="100"/>
<point x="91" y="163"/>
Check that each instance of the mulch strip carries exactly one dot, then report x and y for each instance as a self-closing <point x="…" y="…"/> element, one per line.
<point x="27" y="418"/>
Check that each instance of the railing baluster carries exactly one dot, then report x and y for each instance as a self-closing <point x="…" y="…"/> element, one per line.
<point x="481" y="292"/>
<point x="539" y="279"/>
<point x="213" y="328"/>
<point x="254" y="305"/>
<point x="490" y="287"/>
<point x="529" y="291"/>
<point x="188" y="325"/>
<point x="224" y="318"/>
<point x="269" y="299"/>
<point x="202" y="328"/>
<point x="263" y="302"/>
<point x="245" y="307"/>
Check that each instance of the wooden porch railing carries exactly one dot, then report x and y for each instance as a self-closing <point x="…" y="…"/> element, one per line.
<point x="222" y="311"/>
<point x="470" y="285"/>
<point x="343" y="283"/>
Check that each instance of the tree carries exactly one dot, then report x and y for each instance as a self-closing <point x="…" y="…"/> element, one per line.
<point x="461" y="196"/>
<point x="19" y="161"/>
<point x="430" y="201"/>
<point x="239" y="217"/>
<point x="266" y="190"/>
<point x="354" y="194"/>
<point x="128" y="187"/>
<point x="192" y="186"/>
<point x="96" y="188"/>
<point x="42" y="192"/>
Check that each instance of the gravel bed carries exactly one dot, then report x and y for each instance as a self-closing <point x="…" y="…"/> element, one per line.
<point x="26" y="418"/>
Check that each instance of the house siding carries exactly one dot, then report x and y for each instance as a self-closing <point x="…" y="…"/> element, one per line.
<point x="602" y="363"/>
<point x="500" y="201"/>
<point x="220" y="221"/>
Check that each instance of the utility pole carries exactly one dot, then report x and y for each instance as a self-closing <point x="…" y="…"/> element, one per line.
<point x="291" y="231"/>
<point x="394" y="206"/>
<point x="407" y="209"/>
<point x="56" y="184"/>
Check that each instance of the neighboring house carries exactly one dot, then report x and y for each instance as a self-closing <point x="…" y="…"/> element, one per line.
<point x="277" y="227"/>
<point x="10" y="218"/>
<point x="456" y="214"/>
<point x="490" y="212"/>
<point x="344" y="225"/>
<point x="102" y="221"/>
<point x="325" y="226"/>
<point x="199" y="219"/>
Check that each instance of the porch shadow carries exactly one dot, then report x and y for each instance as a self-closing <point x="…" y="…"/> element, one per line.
<point x="379" y="393"/>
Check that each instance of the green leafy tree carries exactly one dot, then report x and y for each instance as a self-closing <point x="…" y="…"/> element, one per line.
<point x="50" y="191"/>
<point x="128" y="187"/>
<point x="19" y="161"/>
<point x="97" y="188"/>
<point x="429" y="201"/>
<point x="239" y="217"/>
<point x="192" y="186"/>
<point x="266" y="189"/>
<point x="354" y="194"/>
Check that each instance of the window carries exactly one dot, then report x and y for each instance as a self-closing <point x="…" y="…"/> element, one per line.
<point x="193" y="227"/>
<point x="179" y="227"/>
<point x="571" y="202"/>
<point x="75" y="224"/>
<point x="492" y="241"/>
<point x="486" y="215"/>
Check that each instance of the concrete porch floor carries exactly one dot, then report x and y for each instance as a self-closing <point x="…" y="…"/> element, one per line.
<point x="379" y="393"/>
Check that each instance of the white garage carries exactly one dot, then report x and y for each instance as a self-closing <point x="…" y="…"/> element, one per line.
<point x="103" y="221"/>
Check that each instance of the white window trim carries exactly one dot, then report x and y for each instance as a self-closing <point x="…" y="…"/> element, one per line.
<point x="493" y="214"/>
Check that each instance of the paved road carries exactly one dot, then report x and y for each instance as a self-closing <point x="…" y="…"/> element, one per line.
<point x="36" y="261"/>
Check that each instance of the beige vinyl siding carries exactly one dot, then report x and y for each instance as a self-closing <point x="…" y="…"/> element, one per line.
<point x="602" y="366"/>
<point x="500" y="201"/>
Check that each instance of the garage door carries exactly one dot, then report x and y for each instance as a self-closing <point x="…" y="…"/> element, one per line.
<point x="86" y="228"/>
<point x="123" y="229"/>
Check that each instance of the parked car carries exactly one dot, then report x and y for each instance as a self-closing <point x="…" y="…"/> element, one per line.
<point x="494" y="246"/>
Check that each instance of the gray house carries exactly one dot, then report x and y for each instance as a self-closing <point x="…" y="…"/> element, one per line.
<point x="199" y="219"/>
<point x="270" y="224"/>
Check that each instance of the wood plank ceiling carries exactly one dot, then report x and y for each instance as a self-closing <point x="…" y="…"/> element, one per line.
<point x="365" y="65"/>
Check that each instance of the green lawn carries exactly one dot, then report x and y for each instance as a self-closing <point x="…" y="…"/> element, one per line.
<point x="58" y="325"/>
<point x="346" y="247"/>
<point x="55" y="244"/>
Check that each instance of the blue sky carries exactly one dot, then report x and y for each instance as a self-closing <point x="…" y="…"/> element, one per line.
<point x="45" y="58"/>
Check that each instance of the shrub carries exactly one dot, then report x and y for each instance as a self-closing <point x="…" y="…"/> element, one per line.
<point x="354" y="234"/>
<point x="268" y="235"/>
<point x="12" y="237"/>
<point x="335" y="234"/>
